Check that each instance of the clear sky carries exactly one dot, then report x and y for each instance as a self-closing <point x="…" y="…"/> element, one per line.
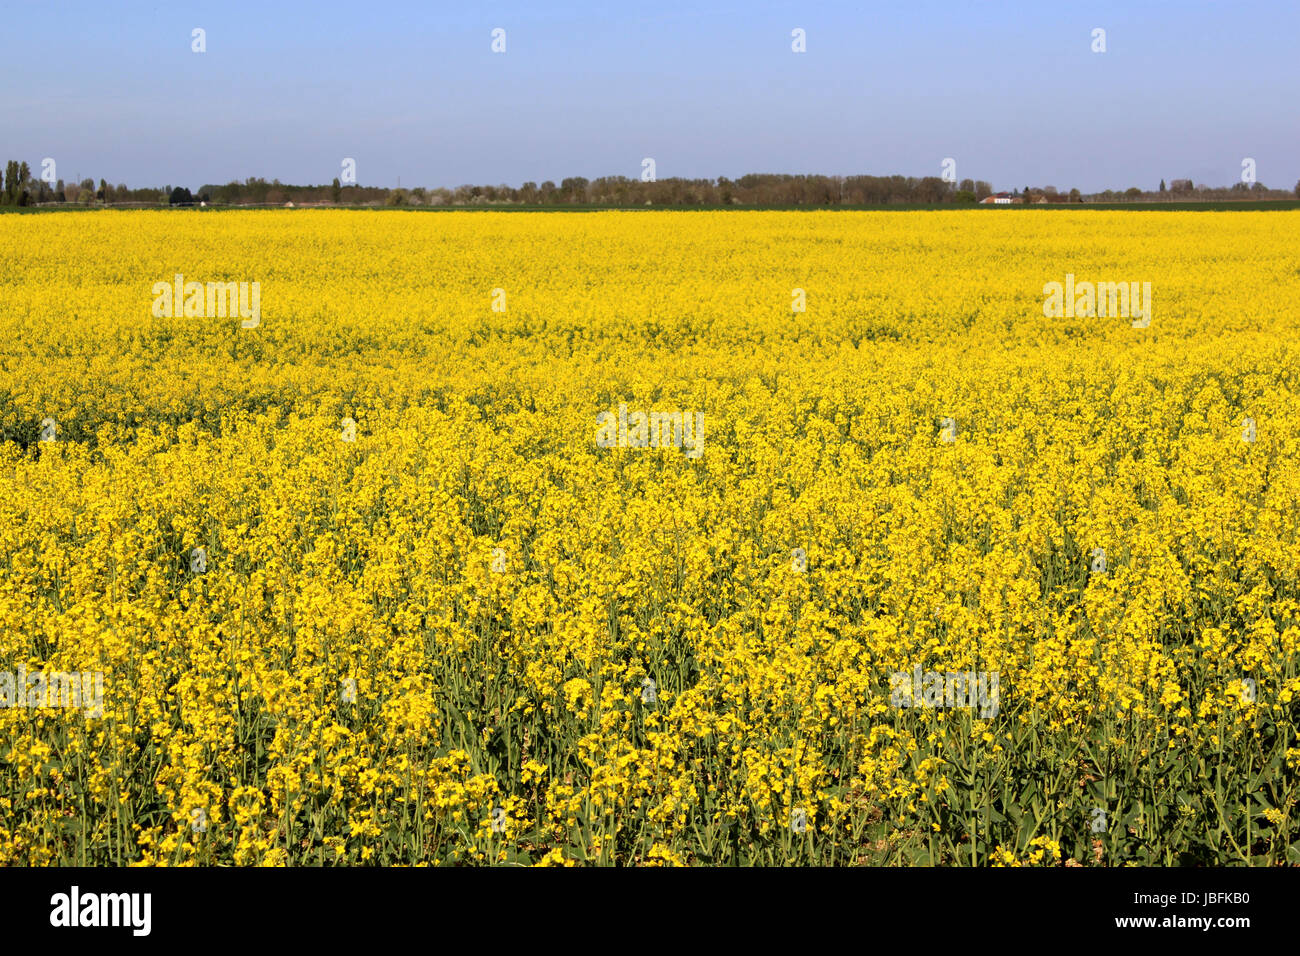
<point x="1011" y="90"/>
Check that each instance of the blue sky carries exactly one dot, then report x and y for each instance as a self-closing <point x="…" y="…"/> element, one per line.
<point x="1012" y="91"/>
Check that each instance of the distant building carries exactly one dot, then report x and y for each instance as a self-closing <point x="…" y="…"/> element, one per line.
<point x="1001" y="199"/>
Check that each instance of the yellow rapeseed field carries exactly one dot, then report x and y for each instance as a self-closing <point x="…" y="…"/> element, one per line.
<point x="380" y="574"/>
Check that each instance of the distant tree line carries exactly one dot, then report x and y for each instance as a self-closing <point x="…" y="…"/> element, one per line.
<point x="751" y="190"/>
<point x="1183" y="190"/>
<point x="755" y="189"/>
<point x="19" y="188"/>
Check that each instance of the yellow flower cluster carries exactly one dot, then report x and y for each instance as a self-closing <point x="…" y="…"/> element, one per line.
<point x="365" y="587"/>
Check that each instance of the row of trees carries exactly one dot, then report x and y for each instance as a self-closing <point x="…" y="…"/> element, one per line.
<point x="755" y="189"/>
<point x="255" y="190"/>
<point x="1050" y="194"/>
<point x="20" y="188"/>
<point x="751" y="190"/>
<point x="1183" y="190"/>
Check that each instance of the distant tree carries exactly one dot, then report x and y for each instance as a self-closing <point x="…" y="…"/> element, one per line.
<point x="16" y="190"/>
<point x="574" y="188"/>
<point x="103" y="195"/>
<point x="1076" y="196"/>
<point x="256" y="189"/>
<point x="181" y="196"/>
<point x="1162" y="185"/>
<point x="336" y="190"/>
<point x="230" y="193"/>
<point x="983" y="190"/>
<point x="1297" y="189"/>
<point x="964" y="196"/>
<point x="931" y="189"/>
<point x="1132" y="192"/>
